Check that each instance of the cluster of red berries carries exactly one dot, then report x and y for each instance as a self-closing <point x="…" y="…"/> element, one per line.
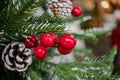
<point x="65" y="44"/>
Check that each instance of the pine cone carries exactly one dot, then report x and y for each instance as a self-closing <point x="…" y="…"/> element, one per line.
<point x="16" y="57"/>
<point x="59" y="8"/>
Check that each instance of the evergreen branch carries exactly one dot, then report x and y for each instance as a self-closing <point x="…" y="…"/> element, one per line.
<point x="42" y="27"/>
<point x="17" y="22"/>
<point x="46" y="17"/>
<point x="25" y="8"/>
<point x="91" y="34"/>
<point x="92" y="69"/>
<point x="31" y="28"/>
<point x="15" y="11"/>
<point x="32" y="71"/>
<point x="33" y="75"/>
<point x="40" y="70"/>
<point x="30" y="9"/>
<point x="15" y="7"/>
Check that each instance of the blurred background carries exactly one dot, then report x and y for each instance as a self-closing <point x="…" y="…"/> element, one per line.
<point x="100" y="16"/>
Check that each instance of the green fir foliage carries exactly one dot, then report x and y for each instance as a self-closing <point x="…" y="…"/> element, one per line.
<point x="16" y="17"/>
<point x="91" y="68"/>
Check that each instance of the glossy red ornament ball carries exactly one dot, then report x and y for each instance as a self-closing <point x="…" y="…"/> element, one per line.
<point x="48" y="39"/>
<point x="76" y="11"/>
<point x="31" y="41"/>
<point x="67" y="41"/>
<point x="40" y="52"/>
<point x="63" y="50"/>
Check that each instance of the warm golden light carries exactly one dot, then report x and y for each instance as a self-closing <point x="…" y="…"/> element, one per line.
<point x="105" y="4"/>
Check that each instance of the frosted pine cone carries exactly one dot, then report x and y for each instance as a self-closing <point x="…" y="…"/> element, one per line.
<point x="16" y="57"/>
<point x="59" y="8"/>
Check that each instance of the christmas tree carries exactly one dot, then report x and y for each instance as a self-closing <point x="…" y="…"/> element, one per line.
<point x="32" y="32"/>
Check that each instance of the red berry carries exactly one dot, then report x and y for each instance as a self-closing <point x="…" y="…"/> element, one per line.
<point x="48" y="39"/>
<point x="55" y="36"/>
<point x="63" y="50"/>
<point x="76" y="11"/>
<point x="67" y="41"/>
<point x="31" y="41"/>
<point x="40" y="52"/>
